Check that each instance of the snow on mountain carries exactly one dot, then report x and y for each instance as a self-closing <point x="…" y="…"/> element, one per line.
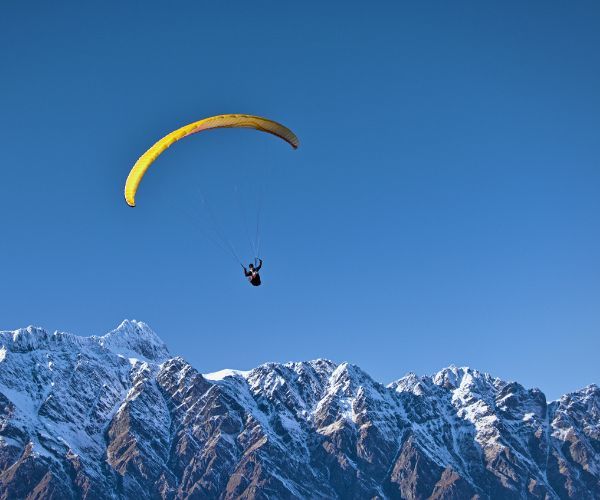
<point x="116" y="416"/>
<point x="134" y="338"/>
<point x="221" y="374"/>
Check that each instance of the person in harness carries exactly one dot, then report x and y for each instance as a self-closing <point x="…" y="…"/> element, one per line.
<point x="252" y="273"/>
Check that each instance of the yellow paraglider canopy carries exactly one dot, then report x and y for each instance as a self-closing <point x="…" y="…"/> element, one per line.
<point x="221" y="121"/>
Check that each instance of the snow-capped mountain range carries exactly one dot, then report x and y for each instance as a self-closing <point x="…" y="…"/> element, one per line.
<point x="117" y="416"/>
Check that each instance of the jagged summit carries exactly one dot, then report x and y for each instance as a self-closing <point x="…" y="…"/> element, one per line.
<point x="135" y="338"/>
<point x="115" y="416"/>
<point x="34" y="337"/>
<point x="451" y="377"/>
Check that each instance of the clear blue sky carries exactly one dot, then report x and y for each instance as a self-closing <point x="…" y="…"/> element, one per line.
<point x="443" y="206"/>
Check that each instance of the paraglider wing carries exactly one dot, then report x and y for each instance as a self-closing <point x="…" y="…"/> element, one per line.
<point x="222" y="121"/>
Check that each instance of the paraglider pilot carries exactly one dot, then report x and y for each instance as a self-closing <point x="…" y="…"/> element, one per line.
<point x="252" y="273"/>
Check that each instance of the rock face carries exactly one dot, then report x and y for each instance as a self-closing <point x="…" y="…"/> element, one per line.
<point x="118" y="417"/>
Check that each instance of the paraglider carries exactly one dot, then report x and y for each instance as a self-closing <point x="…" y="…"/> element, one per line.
<point x="221" y="121"/>
<point x="252" y="273"/>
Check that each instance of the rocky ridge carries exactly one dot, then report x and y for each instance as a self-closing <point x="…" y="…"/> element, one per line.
<point x="117" y="416"/>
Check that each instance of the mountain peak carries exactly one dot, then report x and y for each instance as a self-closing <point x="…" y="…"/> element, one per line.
<point x="411" y="382"/>
<point x="28" y="331"/>
<point x="134" y="339"/>
<point x="29" y="338"/>
<point x="454" y="377"/>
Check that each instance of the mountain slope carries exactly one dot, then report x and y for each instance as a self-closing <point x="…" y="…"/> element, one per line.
<point x="118" y="417"/>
